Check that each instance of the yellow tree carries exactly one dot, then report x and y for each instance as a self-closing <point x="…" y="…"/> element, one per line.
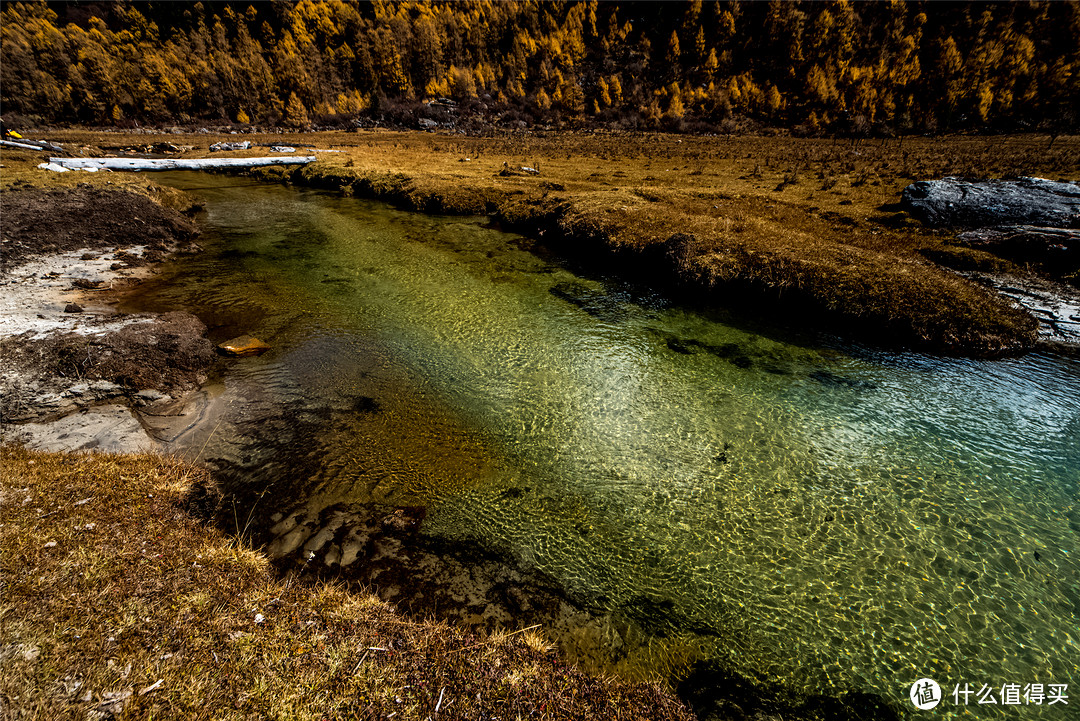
<point x="296" y="115"/>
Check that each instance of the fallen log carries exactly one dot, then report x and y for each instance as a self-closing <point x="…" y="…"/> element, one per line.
<point x="138" y="164"/>
<point x="20" y="146"/>
<point x="25" y="144"/>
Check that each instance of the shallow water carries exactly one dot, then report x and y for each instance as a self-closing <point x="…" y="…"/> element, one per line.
<point x="821" y="516"/>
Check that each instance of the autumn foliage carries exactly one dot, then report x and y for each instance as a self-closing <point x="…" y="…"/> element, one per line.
<point x="811" y="66"/>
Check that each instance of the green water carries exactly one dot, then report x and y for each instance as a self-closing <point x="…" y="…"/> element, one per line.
<point x="827" y="517"/>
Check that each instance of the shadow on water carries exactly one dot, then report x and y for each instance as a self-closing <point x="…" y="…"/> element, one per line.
<point x="458" y="419"/>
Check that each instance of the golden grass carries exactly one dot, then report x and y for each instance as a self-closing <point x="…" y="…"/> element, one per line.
<point x="794" y="224"/>
<point x="117" y="600"/>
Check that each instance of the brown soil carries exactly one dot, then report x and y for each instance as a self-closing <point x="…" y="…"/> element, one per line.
<point x="57" y="374"/>
<point x="37" y="222"/>
<point x="49" y="374"/>
<point x="167" y="354"/>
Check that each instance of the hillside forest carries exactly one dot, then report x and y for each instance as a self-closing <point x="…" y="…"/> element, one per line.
<point x="812" y="67"/>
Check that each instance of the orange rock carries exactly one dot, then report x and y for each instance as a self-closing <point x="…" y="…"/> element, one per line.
<point x="244" y="345"/>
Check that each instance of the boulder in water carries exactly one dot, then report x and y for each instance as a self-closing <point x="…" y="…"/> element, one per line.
<point x="244" y="345"/>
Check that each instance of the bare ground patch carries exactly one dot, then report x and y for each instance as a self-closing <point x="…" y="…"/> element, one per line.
<point x="37" y="222"/>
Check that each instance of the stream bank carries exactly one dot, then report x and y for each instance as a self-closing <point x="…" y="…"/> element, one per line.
<point x="96" y="379"/>
<point x="691" y="347"/>
<point x="69" y="255"/>
<point x="724" y="249"/>
<point x="439" y="393"/>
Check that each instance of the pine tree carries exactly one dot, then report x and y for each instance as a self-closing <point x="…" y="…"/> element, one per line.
<point x="676" y="109"/>
<point x="616" y="90"/>
<point x="296" y="114"/>
<point x="674" y="53"/>
<point x="712" y="64"/>
<point x="603" y="94"/>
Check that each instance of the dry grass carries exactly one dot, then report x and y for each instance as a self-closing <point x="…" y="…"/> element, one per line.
<point x="805" y="223"/>
<point x="117" y="601"/>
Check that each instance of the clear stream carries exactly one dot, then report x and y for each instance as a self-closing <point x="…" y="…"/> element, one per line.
<point x="804" y="512"/>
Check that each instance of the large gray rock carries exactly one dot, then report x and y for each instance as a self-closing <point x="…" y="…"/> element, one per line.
<point x="1028" y="201"/>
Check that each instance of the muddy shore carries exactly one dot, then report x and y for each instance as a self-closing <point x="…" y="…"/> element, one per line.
<point x="69" y="254"/>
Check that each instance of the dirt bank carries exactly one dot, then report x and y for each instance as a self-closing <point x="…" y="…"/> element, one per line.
<point x="38" y="222"/>
<point x="69" y="253"/>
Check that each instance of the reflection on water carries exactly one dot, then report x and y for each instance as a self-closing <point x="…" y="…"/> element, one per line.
<point x="835" y="521"/>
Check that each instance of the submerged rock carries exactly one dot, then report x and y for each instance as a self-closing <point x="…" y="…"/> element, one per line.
<point x="596" y="303"/>
<point x="952" y="201"/>
<point x="244" y="345"/>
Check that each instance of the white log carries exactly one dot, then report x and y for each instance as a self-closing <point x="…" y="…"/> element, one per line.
<point x="22" y="146"/>
<point x="176" y="163"/>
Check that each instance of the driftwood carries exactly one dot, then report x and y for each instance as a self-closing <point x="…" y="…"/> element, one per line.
<point x="175" y="163"/>
<point x="31" y="145"/>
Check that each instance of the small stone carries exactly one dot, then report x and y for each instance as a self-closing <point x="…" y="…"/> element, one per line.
<point x="150" y="396"/>
<point x="50" y="544"/>
<point x="69" y="685"/>
<point x="73" y="308"/>
<point x="244" y="345"/>
<point x="78" y="389"/>
<point x="88" y="284"/>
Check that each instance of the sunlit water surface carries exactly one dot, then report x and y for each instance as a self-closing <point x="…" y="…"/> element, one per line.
<point x="832" y="519"/>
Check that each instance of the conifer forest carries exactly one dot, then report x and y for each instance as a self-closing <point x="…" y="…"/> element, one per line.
<point x="811" y="67"/>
